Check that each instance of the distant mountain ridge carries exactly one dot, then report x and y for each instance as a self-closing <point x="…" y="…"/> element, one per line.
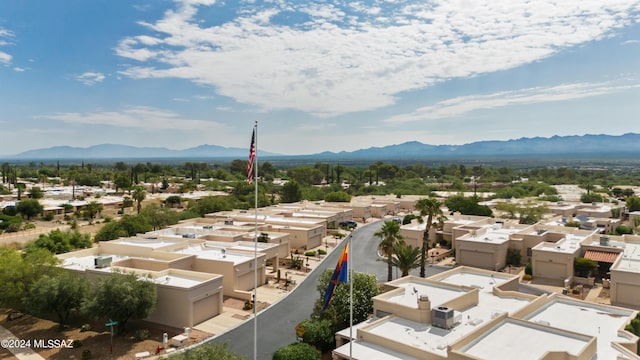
<point x="115" y="151"/>
<point x="605" y="145"/>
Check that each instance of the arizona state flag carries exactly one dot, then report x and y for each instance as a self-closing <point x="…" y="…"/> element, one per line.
<point x="340" y="274"/>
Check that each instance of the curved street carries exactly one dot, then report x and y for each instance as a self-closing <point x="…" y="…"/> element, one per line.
<point x="276" y="324"/>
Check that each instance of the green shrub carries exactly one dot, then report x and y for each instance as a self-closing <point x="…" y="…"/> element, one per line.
<point x="513" y="257"/>
<point x="297" y="351"/>
<point x="622" y="229"/>
<point x="142" y="334"/>
<point x="77" y="344"/>
<point x="318" y="333"/>
<point x="310" y="253"/>
<point x="321" y="252"/>
<point x="527" y="277"/>
<point x="528" y="270"/>
<point x="583" y="267"/>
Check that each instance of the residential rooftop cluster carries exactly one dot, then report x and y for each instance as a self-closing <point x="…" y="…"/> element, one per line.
<point x="470" y="313"/>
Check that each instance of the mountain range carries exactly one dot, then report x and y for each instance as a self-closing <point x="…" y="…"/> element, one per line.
<point x="579" y="145"/>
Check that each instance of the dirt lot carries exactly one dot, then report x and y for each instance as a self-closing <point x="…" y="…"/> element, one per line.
<point x="97" y="340"/>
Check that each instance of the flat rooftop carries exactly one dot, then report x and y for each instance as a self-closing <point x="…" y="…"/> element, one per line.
<point x="568" y="245"/>
<point x="495" y="236"/>
<point x="474" y="279"/>
<point x="590" y="319"/>
<point x="630" y="260"/>
<point x="422" y="336"/>
<point x="214" y="253"/>
<point x="148" y="243"/>
<point x="438" y="294"/>
<point x="367" y="350"/>
<point x="88" y="262"/>
<point x="182" y="281"/>
<point x="241" y="245"/>
<point x="511" y="337"/>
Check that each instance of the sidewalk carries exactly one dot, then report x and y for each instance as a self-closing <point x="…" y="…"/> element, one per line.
<point x="19" y="353"/>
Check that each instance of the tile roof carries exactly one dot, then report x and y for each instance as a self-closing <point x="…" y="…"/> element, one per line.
<point x="603" y="256"/>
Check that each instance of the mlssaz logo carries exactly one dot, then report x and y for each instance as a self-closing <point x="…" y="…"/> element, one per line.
<point x="53" y="344"/>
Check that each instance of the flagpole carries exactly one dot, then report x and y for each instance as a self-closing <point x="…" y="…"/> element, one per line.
<point x="255" y="248"/>
<point x="350" y="300"/>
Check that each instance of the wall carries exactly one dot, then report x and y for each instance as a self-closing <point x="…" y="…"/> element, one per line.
<point x="625" y="287"/>
<point x="485" y="255"/>
<point x="553" y="266"/>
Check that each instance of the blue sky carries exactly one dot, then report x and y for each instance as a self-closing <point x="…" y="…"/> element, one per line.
<point x="316" y="75"/>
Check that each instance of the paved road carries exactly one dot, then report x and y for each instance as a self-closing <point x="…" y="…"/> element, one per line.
<point x="276" y="324"/>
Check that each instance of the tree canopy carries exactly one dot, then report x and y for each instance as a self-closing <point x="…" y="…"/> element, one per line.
<point x="29" y="208"/>
<point x="121" y="297"/>
<point x="365" y="288"/>
<point x="61" y="292"/>
<point x="18" y="271"/>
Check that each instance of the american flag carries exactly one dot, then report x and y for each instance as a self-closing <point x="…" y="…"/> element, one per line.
<point x="252" y="157"/>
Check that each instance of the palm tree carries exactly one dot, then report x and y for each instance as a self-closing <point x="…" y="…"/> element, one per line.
<point x="43" y="178"/>
<point x="138" y="194"/>
<point x="390" y="235"/>
<point x="431" y="209"/>
<point x="71" y="176"/>
<point x="406" y="257"/>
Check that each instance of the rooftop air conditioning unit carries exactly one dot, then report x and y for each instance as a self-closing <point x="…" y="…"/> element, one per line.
<point x="189" y="236"/>
<point x="228" y="222"/>
<point x="604" y="240"/>
<point x="101" y="262"/>
<point x="442" y="317"/>
<point x="207" y="227"/>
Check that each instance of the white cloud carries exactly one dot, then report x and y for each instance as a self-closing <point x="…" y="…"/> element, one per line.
<point x="340" y="61"/>
<point x="462" y="105"/>
<point x="19" y="69"/>
<point x="134" y="117"/>
<point x="5" y="58"/>
<point x="90" y="78"/>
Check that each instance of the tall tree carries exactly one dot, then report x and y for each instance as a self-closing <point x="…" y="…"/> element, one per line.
<point x="18" y="270"/>
<point x="121" y="297"/>
<point x="406" y="257"/>
<point x="29" y="208"/>
<point x="291" y="192"/>
<point x="61" y="293"/>
<point x="72" y="176"/>
<point x="139" y="194"/>
<point x="390" y="237"/>
<point x="91" y="211"/>
<point x="430" y="208"/>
